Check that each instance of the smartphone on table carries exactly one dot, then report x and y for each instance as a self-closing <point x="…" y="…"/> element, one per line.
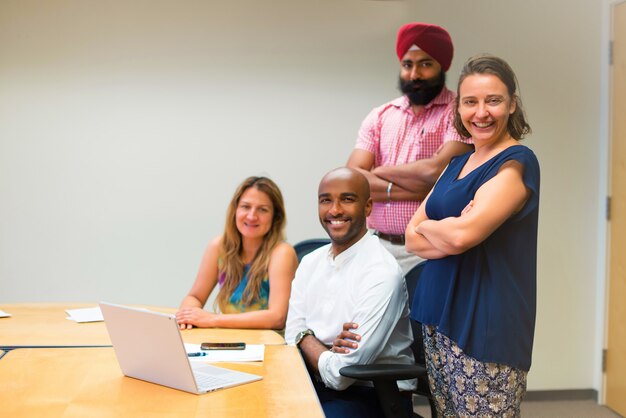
<point x="223" y="346"/>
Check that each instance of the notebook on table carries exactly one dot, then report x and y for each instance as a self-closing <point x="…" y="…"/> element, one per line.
<point x="148" y="346"/>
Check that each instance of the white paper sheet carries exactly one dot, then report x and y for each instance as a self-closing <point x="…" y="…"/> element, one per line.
<point x="85" y="315"/>
<point x="4" y="314"/>
<point x="252" y="352"/>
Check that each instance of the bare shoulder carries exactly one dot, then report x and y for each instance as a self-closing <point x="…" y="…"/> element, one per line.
<point x="512" y="166"/>
<point x="215" y="243"/>
<point x="283" y="250"/>
<point x="283" y="261"/>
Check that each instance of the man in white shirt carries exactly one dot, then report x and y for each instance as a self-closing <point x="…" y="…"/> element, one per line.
<point x="356" y="280"/>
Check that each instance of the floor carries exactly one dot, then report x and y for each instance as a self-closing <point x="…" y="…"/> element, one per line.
<point x="553" y="409"/>
<point x="566" y="409"/>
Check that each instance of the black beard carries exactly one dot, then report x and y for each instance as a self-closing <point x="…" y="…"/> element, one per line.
<point x="422" y="92"/>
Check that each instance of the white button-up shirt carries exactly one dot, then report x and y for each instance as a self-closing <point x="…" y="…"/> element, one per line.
<point x="364" y="285"/>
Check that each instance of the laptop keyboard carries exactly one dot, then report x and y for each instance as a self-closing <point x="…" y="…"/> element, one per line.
<point x="206" y="381"/>
<point x="210" y="378"/>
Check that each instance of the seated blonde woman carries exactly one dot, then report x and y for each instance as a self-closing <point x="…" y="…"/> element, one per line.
<point x="250" y="263"/>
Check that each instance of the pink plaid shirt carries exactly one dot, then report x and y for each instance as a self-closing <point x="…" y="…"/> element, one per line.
<point x="396" y="136"/>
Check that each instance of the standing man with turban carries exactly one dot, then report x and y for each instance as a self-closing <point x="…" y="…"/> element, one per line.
<point x="404" y="145"/>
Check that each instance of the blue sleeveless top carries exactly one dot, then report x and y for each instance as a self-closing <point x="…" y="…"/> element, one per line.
<point x="485" y="298"/>
<point x="236" y="304"/>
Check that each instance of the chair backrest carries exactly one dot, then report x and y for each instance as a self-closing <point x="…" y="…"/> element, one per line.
<point x="411" y="279"/>
<point x="304" y="247"/>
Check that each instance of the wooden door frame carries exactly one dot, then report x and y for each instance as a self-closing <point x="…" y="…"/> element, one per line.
<point x="602" y="296"/>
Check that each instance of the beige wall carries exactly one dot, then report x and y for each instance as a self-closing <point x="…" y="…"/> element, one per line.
<point x="125" y="126"/>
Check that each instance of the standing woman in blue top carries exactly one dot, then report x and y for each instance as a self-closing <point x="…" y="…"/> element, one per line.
<point x="250" y="263"/>
<point x="476" y="297"/>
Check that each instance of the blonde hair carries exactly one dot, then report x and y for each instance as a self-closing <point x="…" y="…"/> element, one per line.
<point x="231" y="247"/>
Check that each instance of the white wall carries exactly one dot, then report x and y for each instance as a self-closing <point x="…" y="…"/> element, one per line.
<point x="125" y="126"/>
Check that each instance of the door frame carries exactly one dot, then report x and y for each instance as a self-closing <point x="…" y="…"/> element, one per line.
<point x="603" y="251"/>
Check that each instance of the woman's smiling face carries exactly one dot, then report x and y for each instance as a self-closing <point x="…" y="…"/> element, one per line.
<point x="484" y="107"/>
<point x="254" y="214"/>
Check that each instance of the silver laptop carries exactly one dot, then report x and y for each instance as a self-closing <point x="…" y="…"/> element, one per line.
<point x="148" y="346"/>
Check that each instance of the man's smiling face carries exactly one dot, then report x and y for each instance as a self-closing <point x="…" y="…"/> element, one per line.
<point x="343" y="206"/>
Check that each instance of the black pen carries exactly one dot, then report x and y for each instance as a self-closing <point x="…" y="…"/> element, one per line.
<point x="196" y="354"/>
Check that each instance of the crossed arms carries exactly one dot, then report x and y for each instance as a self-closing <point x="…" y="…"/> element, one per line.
<point x="494" y="202"/>
<point x="411" y="181"/>
<point x="378" y="308"/>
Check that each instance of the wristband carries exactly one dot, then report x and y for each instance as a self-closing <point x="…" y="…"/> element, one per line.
<point x="389" y="192"/>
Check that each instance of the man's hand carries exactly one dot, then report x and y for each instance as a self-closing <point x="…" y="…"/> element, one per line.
<point x="346" y="340"/>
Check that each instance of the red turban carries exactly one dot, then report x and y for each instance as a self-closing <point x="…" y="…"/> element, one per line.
<point x="432" y="39"/>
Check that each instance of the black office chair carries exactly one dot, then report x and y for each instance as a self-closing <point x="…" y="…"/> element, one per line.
<point x="385" y="376"/>
<point x="304" y="247"/>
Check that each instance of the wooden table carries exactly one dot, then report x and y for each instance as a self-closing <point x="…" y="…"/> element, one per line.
<point x="87" y="382"/>
<point x="44" y="324"/>
<point x="68" y="381"/>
